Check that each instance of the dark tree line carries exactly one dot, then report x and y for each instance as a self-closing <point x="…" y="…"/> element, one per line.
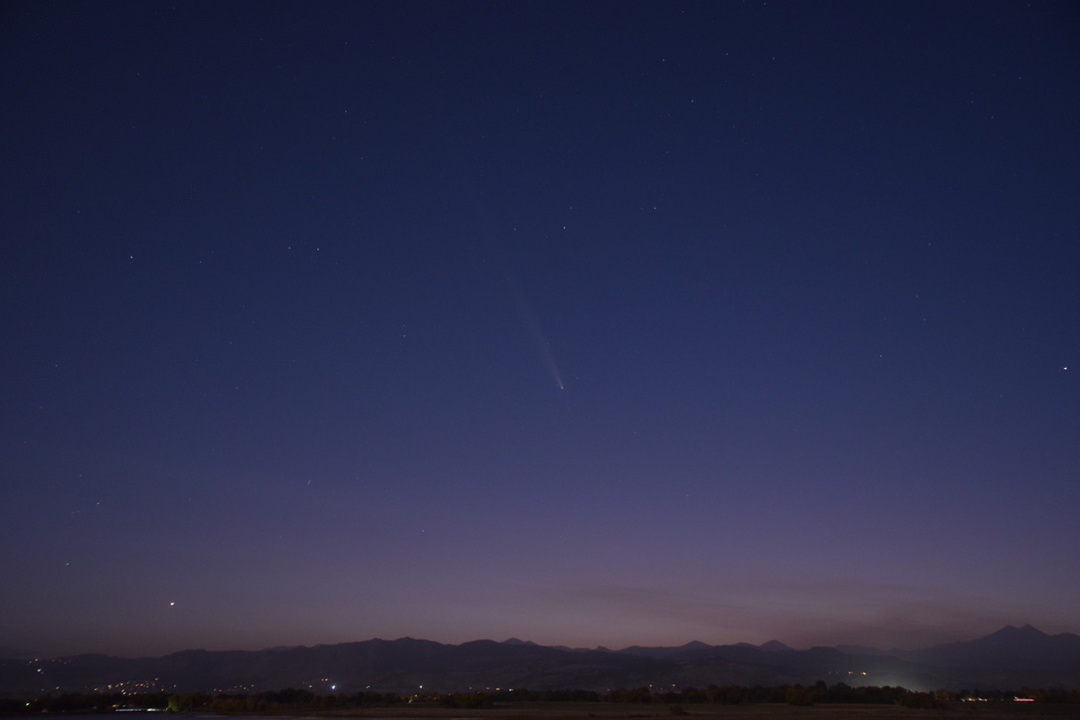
<point x="291" y="700"/>
<point x="280" y="701"/>
<point x="840" y="693"/>
<point x="82" y="703"/>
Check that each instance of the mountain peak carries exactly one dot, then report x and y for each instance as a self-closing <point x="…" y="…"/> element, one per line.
<point x="517" y="641"/>
<point x="774" y="646"/>
<point x="1011" y="631"/>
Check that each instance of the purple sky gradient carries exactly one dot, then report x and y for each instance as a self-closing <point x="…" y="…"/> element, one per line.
<point x="601" y="324"/>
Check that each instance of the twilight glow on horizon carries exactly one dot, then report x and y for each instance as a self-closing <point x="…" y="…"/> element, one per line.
<point x="603" y="323"/>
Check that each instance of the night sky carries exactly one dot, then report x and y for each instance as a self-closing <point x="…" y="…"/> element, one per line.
<point x="589" y="323"/>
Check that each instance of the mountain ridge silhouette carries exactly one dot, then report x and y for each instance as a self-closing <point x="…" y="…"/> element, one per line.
<point x="1007" y="659"/>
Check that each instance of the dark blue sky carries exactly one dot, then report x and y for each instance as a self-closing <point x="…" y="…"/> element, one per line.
<point x="587" y="323"/>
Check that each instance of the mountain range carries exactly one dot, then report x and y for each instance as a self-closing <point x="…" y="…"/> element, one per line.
<point x="1007" y="659"/>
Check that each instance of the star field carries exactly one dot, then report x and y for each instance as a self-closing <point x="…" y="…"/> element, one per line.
<point x="601" y="324"/>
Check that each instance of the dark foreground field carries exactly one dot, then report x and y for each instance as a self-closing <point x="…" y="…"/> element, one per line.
<point x="620" y="711"/>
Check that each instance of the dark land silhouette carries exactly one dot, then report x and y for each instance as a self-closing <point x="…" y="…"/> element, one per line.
<point x="1004" y="662"/>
